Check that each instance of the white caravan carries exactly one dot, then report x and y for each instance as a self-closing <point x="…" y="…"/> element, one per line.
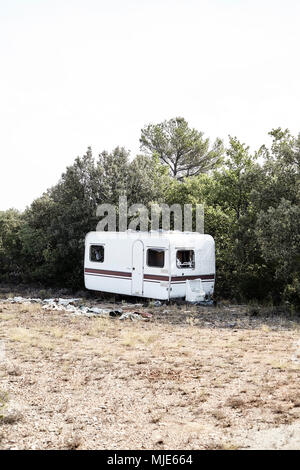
<point x="157" y="264"/>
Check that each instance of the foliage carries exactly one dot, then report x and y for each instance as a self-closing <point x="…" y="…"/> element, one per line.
<point x="183" y="150"/>
<point x="10" y="244"/>
<point x="251" y="204"/>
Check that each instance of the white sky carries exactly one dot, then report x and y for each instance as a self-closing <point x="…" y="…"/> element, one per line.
<point x="76" y="73"/>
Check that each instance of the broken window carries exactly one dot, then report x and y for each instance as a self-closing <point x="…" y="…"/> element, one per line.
<point x="97" y="253"/>
<point x="156" y="258"/>
<point x="185" y="259"/>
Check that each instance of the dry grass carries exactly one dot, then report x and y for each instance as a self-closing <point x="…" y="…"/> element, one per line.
<point x="3" y="398"/>
<point x="78" y="382"/>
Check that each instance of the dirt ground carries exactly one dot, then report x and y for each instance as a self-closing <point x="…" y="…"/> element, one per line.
<point x="190" y="378"/>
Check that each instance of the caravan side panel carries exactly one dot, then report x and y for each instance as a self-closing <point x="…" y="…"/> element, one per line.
<point x="109" y="268"/>
<point x="113" y="274"/>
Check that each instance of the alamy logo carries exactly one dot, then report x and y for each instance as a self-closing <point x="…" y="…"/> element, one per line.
<point x="186" y="218"/>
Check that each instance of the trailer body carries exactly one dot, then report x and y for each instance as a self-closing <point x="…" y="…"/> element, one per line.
<point x="155" y="264"/>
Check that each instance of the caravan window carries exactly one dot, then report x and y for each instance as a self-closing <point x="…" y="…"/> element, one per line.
<point x="185" y="259"/>
<point x="156" y="258"/>
<point x="97" y="253"/>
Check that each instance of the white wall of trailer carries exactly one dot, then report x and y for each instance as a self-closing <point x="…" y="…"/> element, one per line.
<point x="124" y="269"/>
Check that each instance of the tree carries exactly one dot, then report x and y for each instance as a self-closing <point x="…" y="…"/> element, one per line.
<point x="280" y="173"/>
<point x="56" y="224"/>
<point x="244" y="266"/>
<point x="276" y="202"/>
<point x="251" y="209"/>
<point x="229" y="217"/>
<point x="38" y="241"/>
<point x="10" y="244"/>
<point x="234" y="182"/>
<point x="113" y="174"/>
<point x="278" y="231"/>
<point x="183" y="150"/>
<point x="147" y="180"/>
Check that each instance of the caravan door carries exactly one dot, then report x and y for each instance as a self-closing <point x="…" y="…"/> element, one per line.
<point x="137" y="268"/>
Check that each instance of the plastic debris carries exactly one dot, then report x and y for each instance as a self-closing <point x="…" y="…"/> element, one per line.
<point x="131" y="316"/>
<point x="205" y="303"/>
<point x="18" y="300"/>
<point x="72" y="306"/>
<point x="116" y="313"/>
<point x="67" y="305"/>
<point x="61" y="301"/>
<point x="99" y="311"/>
<point x="135" y="316"/>
<point x="146" y="314"/>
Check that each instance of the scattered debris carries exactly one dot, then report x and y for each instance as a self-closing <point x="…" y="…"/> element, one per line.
<point x="98" y="311"/>
<point x="145" y="315"/>
<point x="205" y="303"/>
<point x="73" y="306"/>
<point x="131" y="316"/>
<point x="116" y="313"/>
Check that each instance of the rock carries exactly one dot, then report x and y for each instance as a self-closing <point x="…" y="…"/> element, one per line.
<point x="157" y="438"/>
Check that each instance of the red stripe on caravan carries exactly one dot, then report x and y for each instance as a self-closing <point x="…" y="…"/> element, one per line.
<point x="210" y="277"/>
<point x="110" y="277"/>
<point x="157" y="277"/>
<point x="105" y="271"/>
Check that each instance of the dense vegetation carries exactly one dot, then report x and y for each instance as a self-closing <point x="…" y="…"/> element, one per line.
<point x="251" y="209"/>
